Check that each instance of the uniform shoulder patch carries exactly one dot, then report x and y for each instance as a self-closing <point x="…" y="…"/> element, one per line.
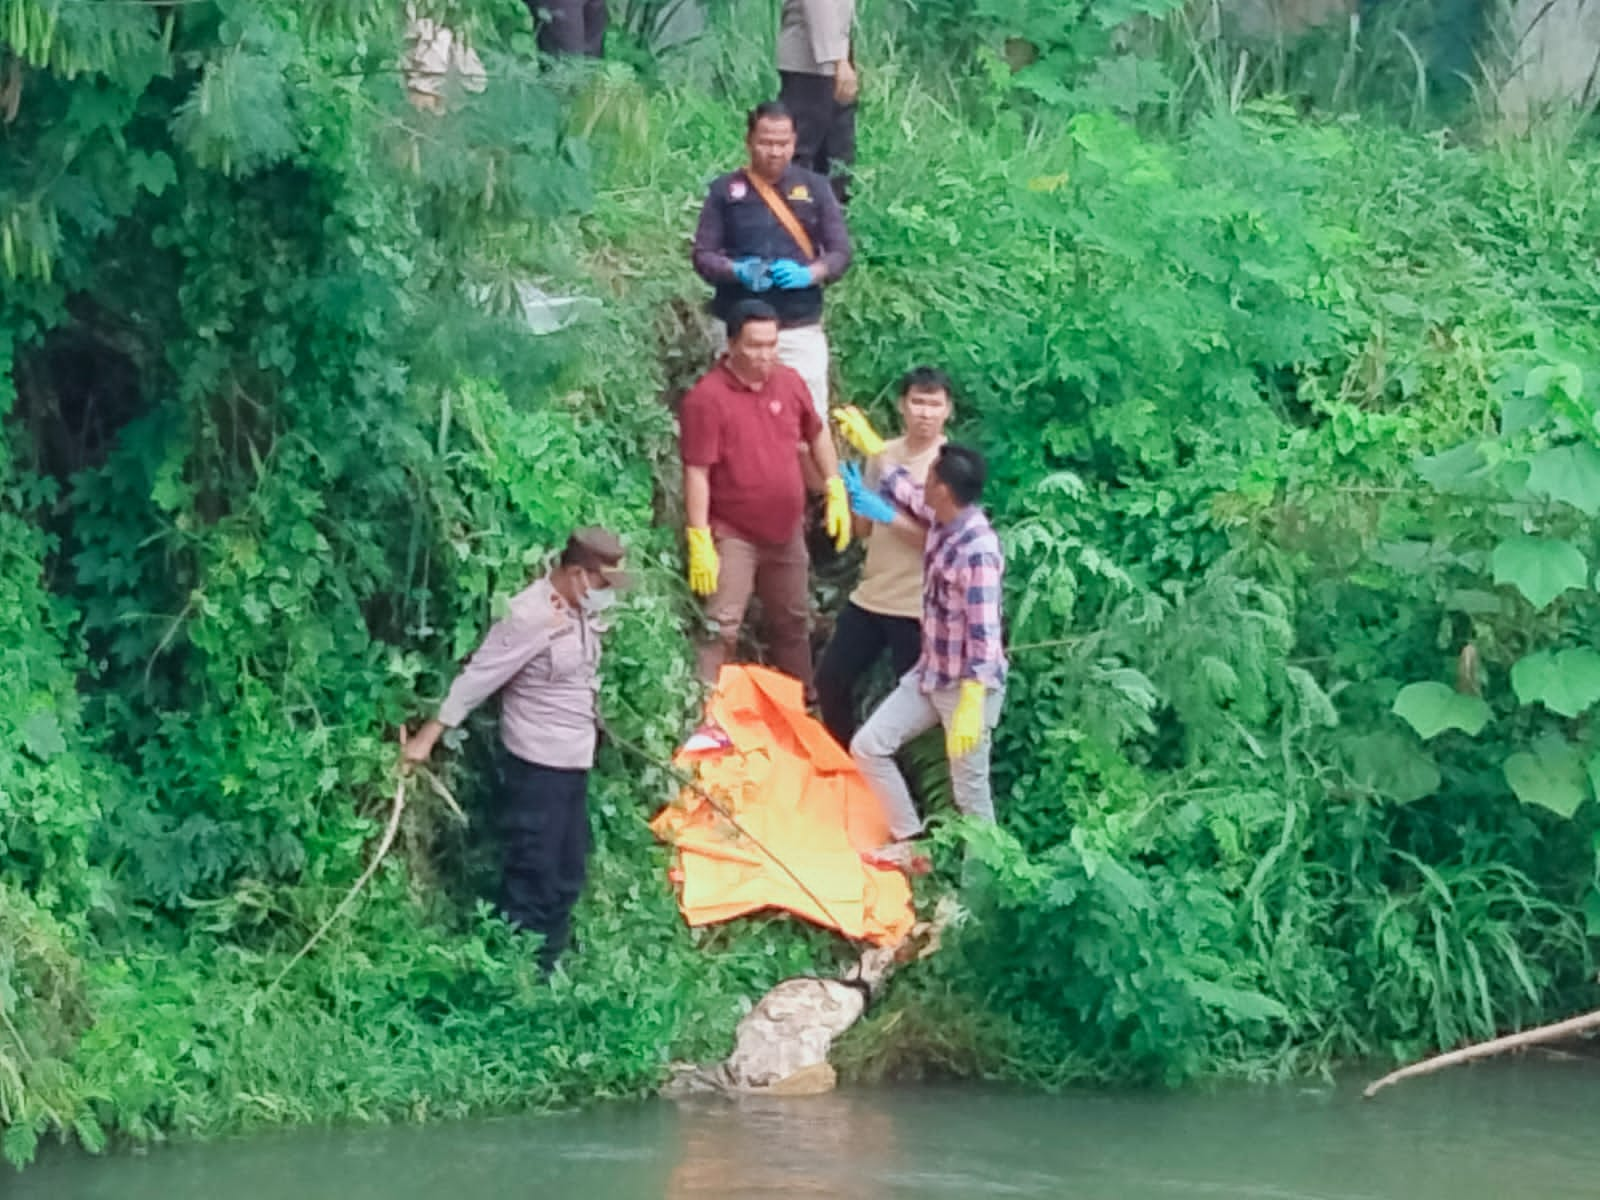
<point x="800" y="191"/>
<point x="538" y="609"/>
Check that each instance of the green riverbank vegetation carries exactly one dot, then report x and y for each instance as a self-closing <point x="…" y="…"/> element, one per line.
<point x="1286" y="362"/>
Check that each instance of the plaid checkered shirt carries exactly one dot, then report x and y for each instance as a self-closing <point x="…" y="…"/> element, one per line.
<point x="962" y="569"/>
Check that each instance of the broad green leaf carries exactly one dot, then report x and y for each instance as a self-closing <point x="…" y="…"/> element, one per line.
<point x="1475" y="601"/>
<point x="1431" y="708"/>
<point x="1413" y="555"/>
<point x="1550" y="774"/>
<point x="1391" y="763"/>
<point x="1569" y="474"/>
<point x="1540" y="568"/>
<point x="1125" y="84"/>
<point x="169" y="492"/>
<point x="1565" y="377"/>
<point x="41" y="735"/>
<point x="1520" y="411"/>
<point x="1239" y="1003"/>
<point x="153" y="173"/>
<point x="1062" y="892"/>
<point x="1567" y="682"/>
<point x="1460" y="469"/>
<point x="1591" y="913"/>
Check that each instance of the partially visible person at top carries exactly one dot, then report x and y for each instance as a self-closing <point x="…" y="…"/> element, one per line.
<point x="884" y="613"/>
<point x="570" y="27"/>
<point x="773" y="230"/>
<point x="744" y="496"/>
<point x="959" y="677"/>
<point x="436" y="61"/>
<point x="543" y="660"/>
<point x="819" y="85"/>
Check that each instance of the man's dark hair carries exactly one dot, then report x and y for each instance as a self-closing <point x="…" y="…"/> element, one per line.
<point x="963" y="471"/>
<point x="745" y="311"/>
<point x="926" y="379"/>
<point x="767" y="110"/>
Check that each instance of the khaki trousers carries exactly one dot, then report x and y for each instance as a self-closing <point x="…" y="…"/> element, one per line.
<point x="780" y="575"/>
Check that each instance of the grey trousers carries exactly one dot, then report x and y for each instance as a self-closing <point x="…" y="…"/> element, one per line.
<point x="907" y="712"/>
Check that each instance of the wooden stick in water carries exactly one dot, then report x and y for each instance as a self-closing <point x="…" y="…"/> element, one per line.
<point x="1514" y="1041"/>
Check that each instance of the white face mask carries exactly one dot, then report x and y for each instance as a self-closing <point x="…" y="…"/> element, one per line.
<point x="596" y="600"/>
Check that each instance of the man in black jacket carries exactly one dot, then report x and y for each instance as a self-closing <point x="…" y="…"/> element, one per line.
<point x="774" y="231"/>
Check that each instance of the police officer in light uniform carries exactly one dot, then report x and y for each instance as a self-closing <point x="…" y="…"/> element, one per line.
<point x="543" y="659"/>
<point x="820" y="85"/>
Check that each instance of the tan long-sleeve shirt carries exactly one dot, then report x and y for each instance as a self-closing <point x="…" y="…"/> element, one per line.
<point x="814" y="35"/>
<point x="891" y="577"/>
<point x="543" y="657"/>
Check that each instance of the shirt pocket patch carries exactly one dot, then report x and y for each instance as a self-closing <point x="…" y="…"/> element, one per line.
<point x="565" y="655"/>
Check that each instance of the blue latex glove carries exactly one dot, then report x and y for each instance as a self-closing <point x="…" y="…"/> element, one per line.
<point x="788" y="274"/>
<point x="863" y="501"/>
<point x="752" y="272"/>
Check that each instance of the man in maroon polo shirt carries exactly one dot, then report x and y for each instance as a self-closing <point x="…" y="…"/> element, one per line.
<point x="740" y="430"/>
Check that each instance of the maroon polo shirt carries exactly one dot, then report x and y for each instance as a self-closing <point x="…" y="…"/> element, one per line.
<point x="748" y="440"/>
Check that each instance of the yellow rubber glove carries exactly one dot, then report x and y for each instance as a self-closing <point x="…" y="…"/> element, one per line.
<point x="703" y="562"/>
<point x="836" y="516"/>
<point x="858" y="431"/>
<point x="966" y="723"/>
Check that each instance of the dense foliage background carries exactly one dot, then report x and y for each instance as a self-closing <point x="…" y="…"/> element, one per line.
<point x="1286" y="362"/>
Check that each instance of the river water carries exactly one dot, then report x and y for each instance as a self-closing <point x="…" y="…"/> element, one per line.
<point x="1521" y="1131"/>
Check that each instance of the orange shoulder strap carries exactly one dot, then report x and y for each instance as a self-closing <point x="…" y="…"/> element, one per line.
<point x="784" y="213"/>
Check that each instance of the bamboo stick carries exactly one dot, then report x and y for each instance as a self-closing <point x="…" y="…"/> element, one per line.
<point x="396" y="810"/>
<point x="1513" y="1041"/>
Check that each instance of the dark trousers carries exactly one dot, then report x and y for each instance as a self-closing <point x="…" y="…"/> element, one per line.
<point x="824" y="129"/>
<point x="858" y="639"/>
<point x="544" y="826"/>
<point x="570" y="26"/>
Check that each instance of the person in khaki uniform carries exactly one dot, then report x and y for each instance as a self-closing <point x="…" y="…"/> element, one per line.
<point x="884" y="613"/>
<point x="543" y="659"/>
<point x="816" y="64"/>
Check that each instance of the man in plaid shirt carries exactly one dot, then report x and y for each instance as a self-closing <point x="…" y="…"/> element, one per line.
<point x="959" y="680"/>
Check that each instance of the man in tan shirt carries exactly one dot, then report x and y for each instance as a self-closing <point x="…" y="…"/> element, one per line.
<point x="885" y="610"/>
<point x="543" y="658"/>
